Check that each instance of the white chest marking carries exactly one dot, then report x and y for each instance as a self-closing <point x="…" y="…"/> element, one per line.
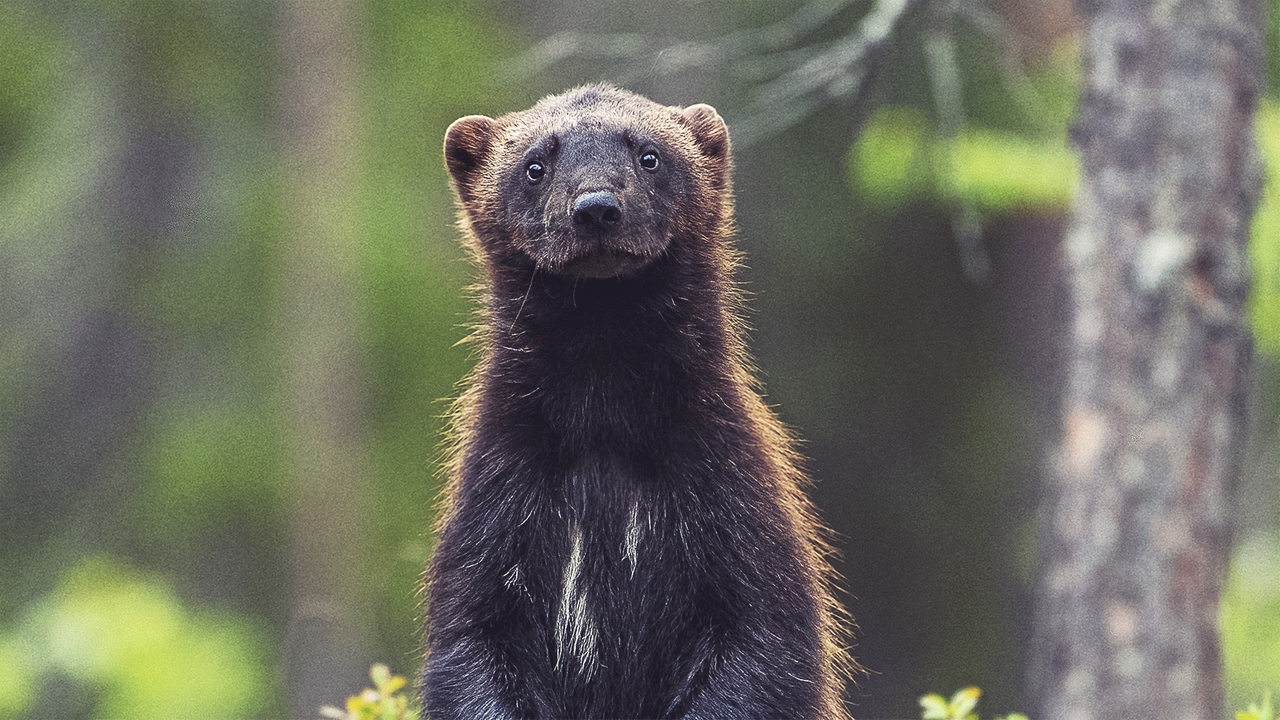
<point x="631" y="540"/>
<point x="575" y="629"/>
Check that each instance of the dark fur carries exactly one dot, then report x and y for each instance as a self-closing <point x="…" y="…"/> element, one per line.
<point x="611" y="442"/>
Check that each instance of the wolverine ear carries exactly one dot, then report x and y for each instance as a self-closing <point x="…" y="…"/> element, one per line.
<point x="709" y="130"/>
<point x="466" y="143"/>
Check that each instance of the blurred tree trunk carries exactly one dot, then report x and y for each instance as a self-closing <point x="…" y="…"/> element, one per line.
<point x="1136" y="533"/>
<point x="320" y="334"/>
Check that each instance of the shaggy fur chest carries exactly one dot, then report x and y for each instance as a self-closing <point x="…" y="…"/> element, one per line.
<point x="603" y="580"/>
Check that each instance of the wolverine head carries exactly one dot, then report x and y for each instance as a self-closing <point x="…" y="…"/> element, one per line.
<point x="596" y="182"/>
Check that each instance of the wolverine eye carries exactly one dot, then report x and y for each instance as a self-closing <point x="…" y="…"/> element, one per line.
<point x="649" y="160"/>
<point x="534" y="171"/>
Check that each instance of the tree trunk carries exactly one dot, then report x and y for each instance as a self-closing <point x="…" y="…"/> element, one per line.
<point x="320" y="332"/>
<point x="1135" y="530"/>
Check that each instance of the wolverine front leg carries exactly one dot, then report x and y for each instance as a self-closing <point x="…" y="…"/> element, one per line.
<point x="482" y="667"/>
<point x="467" y="680"/>
<point x="762" y="655"/>
<point x="745" y="683"/>
<point x="757" y="679"/>
<point x="483" y="659"/>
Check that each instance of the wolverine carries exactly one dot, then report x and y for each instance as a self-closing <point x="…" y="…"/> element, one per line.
<point x="625" y="531"/>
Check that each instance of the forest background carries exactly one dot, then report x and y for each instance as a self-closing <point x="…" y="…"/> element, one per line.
<point x="227" y="340"/>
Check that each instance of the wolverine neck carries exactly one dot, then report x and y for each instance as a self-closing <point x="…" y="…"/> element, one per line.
<point x="619" y="361"/>
<point x="682" y="294"/>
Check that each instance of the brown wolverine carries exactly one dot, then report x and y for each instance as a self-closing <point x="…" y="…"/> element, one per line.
<point x="626" y="535"/>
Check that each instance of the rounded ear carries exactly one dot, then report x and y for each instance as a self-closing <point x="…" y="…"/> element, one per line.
<point x="466" y="143"/>
<point x="709" y="130"/>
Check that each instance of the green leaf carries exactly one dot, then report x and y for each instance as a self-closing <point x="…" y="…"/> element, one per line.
<point x="898" y="159"/>
<point x="1263" y="711"/>
<point x="1003" y="172"/>
<point x="127" y="637"/>
<point x="17" y="684"/>
<point x="935" y="707"/>
<point x="890" y="162"/>
<point x="964" y="701"/>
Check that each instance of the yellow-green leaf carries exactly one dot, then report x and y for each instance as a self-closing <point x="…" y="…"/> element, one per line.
<point x="935" y="707"/>
<point x="964" y="701"/>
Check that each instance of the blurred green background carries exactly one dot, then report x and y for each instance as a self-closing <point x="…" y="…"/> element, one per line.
<point x="205" y="308"/>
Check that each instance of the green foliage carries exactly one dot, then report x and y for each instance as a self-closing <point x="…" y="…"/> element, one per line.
<point x="961" y="706"/>
<point x="1259" y="711"/>
<point x="1264" y="244"/>
<point x="386" y="700"/>
<point x="1250" y="617"/>
<point x="1001" y="172"/>
<point x="17" y="677"/>
<point x="898" y="159"/>
<point x="134" y="649"/>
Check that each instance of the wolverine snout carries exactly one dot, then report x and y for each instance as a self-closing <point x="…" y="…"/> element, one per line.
<point x="599" y="210"/>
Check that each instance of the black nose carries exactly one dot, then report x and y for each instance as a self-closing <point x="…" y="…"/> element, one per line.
<point x="600" y="209"/>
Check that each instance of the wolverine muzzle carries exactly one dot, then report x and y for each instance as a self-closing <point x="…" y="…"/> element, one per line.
<point x="600" y="210"/>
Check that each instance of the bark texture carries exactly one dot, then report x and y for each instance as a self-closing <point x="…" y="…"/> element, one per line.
<point x="1135" y="533"/>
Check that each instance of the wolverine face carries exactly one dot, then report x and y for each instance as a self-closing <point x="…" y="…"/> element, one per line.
<point x="593" y="183"/>
<point x="592" y="198"/>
